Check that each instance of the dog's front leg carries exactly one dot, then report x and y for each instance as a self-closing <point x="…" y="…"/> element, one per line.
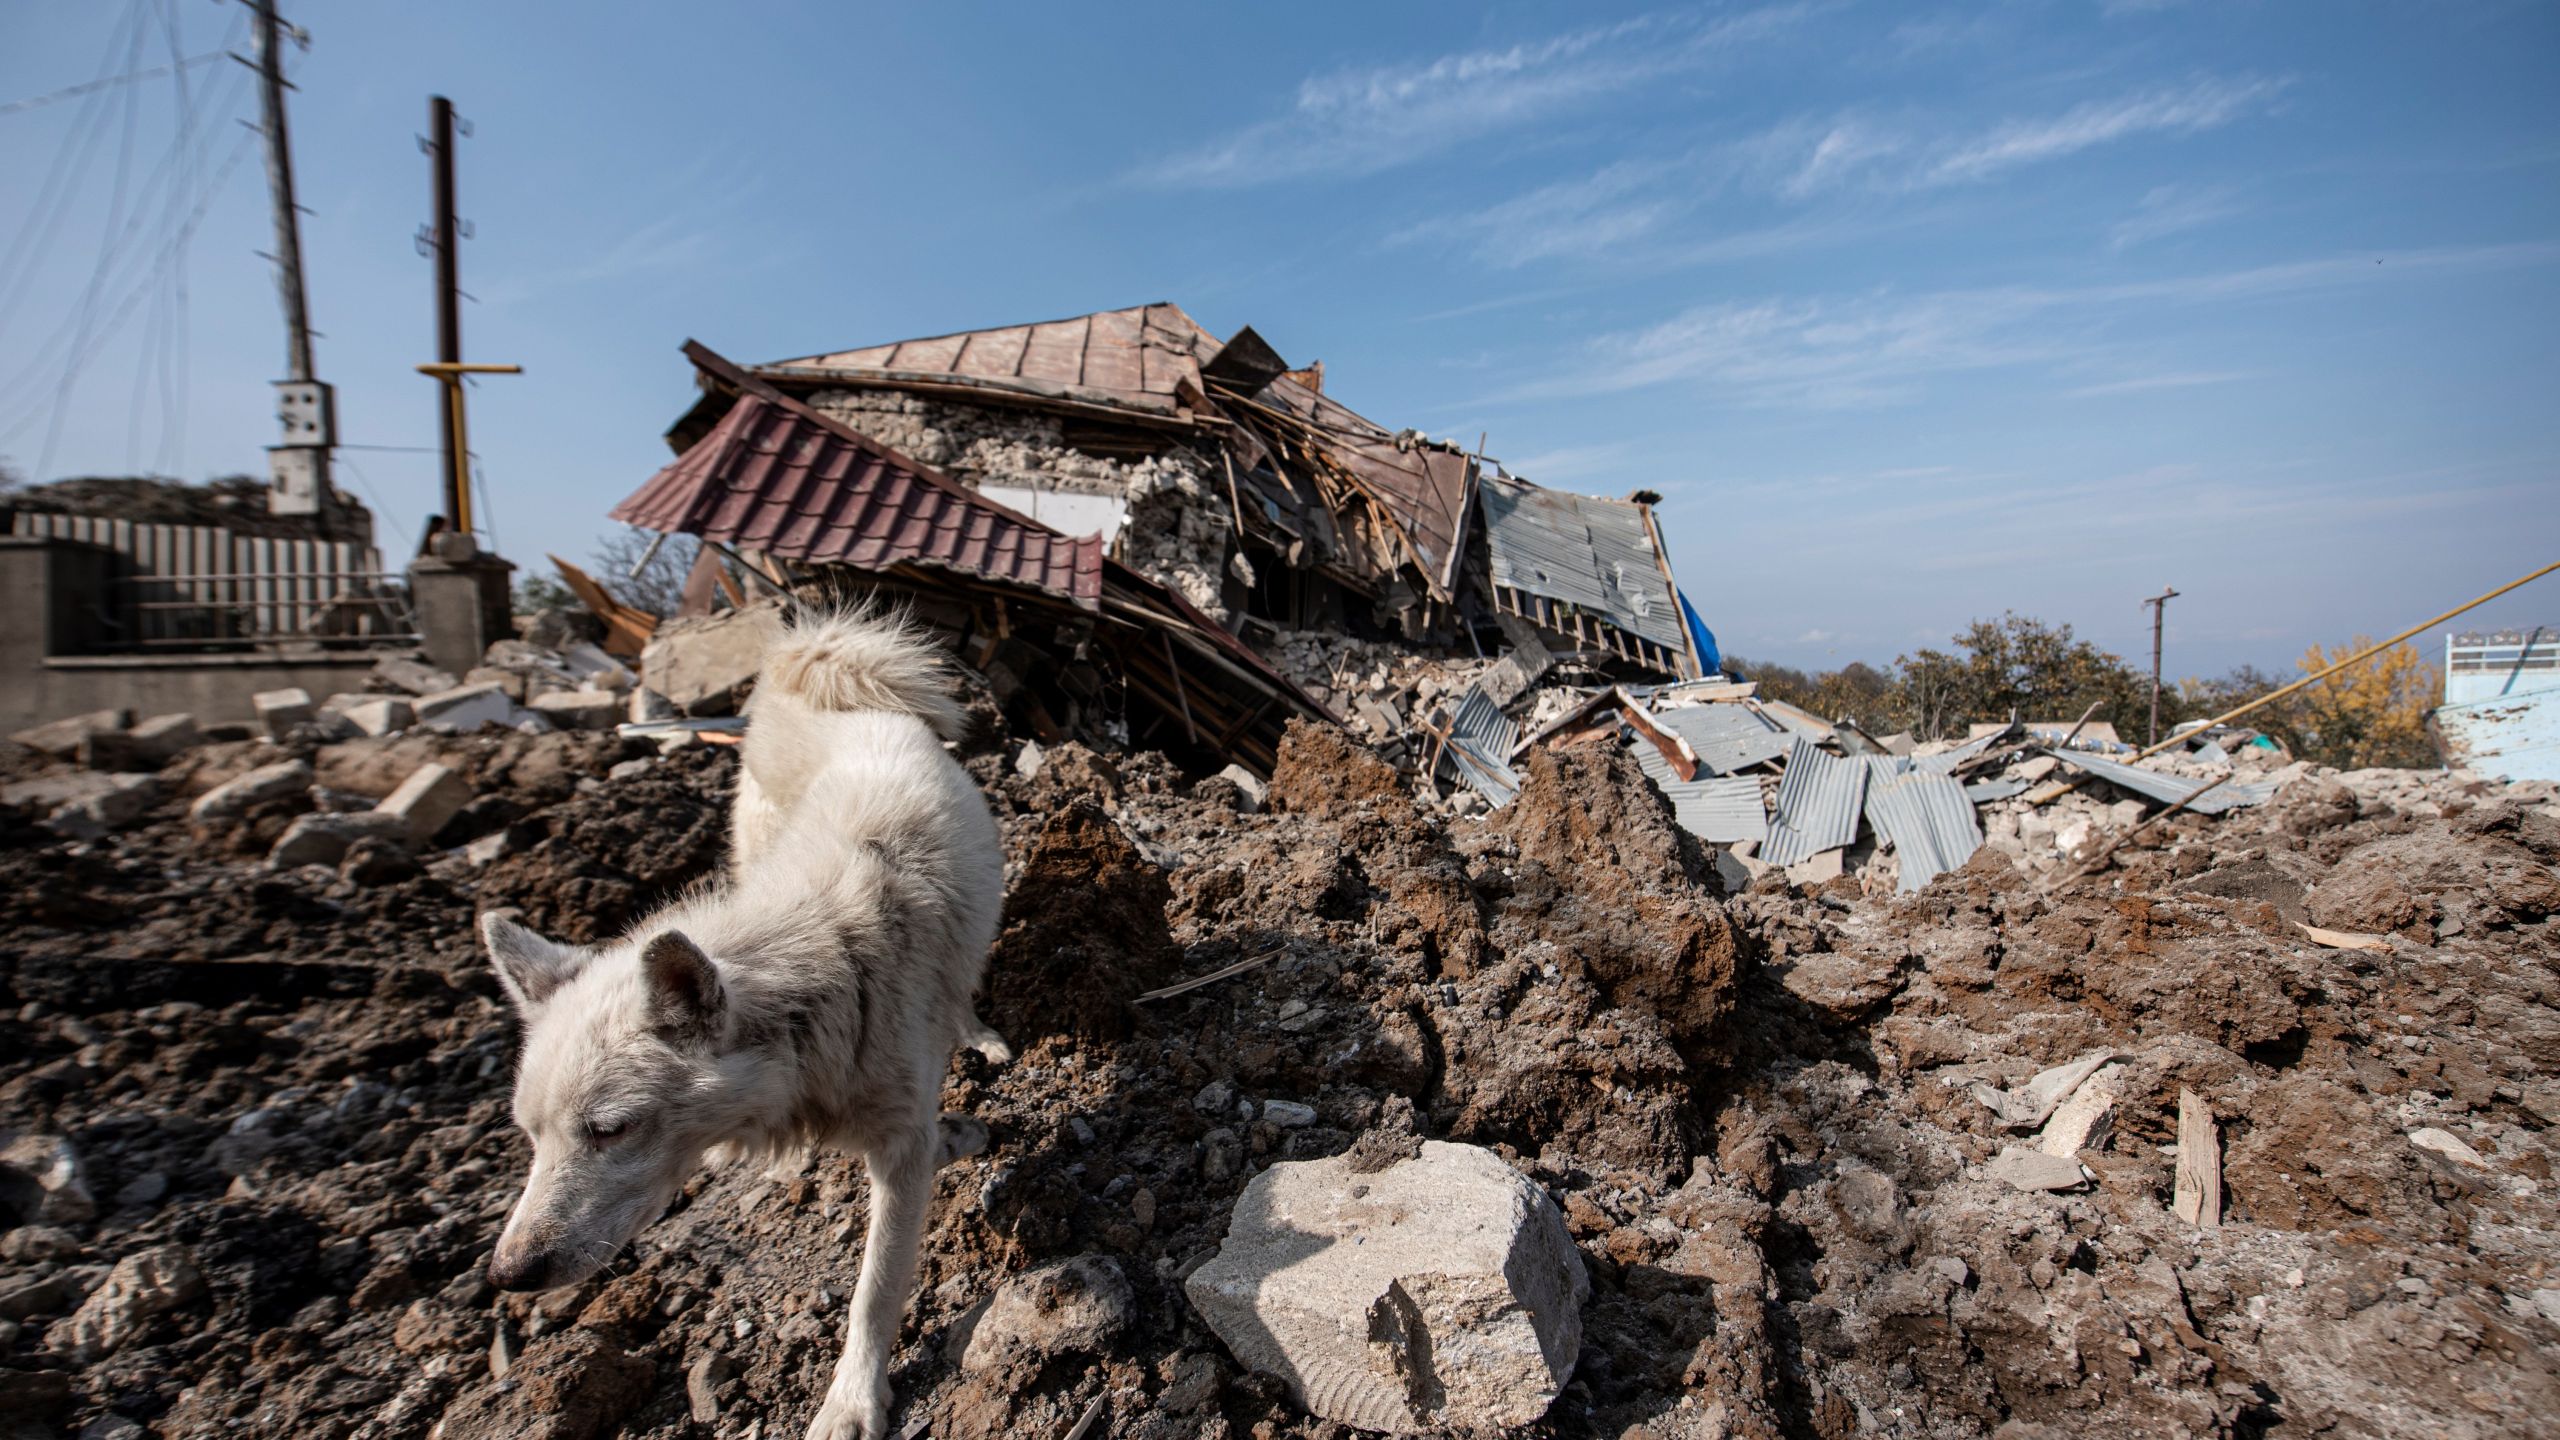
<point x="857" y="1404"/>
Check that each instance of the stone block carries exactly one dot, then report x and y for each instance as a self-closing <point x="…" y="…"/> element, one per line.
<point x="415" y="677"/>
<point x="465" y="708"/>
<point x="61" y="738"/>
<point x="381" y="714"/>
<point x="323" y="838"/>
<point x="648" y="706"/>
<point x="43" y="1182"/>
<point x="1440" y="1293"/>
<point x="511" y="681"/>
<point x="279" y="711"/>
<point x="142" y="1286"/>
<point x="580" y="709"/>
<point x="701" y="665"/>
<point x="432" y="795"/>
<point x="1073" y="1307"/>
<point x="595" y="669"/>
<point x="84" y="804"/>
<point x="235" y="797"/>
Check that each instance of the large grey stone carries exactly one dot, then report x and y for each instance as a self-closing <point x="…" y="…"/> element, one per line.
<point x="381" y="714"/>
<point x="84" y="804"/>
<point x="278" y="711"/>
<point x="700" y="665"/>
<point x="580" y="709"/>
<point x="1076" y="1306"/>
<point x="61" y="738"/>
<point x="465" y="708"/>
<point x="415" y="677"/>
<point x="323" y="837"/>
<point x="43" y="1182"/>
<point x="236" y="796"/>
<point x="1439" y="1293"/>
<point x="432" y="795"/>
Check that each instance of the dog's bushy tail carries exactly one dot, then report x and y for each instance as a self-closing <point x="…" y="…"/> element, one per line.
<point x="863" y="660"/>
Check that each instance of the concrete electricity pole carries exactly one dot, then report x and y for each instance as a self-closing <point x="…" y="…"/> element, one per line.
<point x="306" y="407"/>
<point x="2159" y="608"/>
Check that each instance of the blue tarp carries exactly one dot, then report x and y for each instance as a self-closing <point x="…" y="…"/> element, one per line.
<point x="1710" y="659"/>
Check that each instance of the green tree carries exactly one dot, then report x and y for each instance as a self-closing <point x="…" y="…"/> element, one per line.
<point x="2019" y="666"/>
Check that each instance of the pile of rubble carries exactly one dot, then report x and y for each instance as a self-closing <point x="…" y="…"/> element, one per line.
<point x="1583" y="1126"/>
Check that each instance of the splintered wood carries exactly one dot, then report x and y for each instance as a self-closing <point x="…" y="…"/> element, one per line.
<point x="2199" y="1197"/>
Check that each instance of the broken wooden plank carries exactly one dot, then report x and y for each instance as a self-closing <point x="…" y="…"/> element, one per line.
<point x="2342" y="939"/>
<point x="626" y="630"/>
<point x="2198" y="1200"/>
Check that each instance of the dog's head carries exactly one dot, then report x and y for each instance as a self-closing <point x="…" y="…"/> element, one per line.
<point x="621" y="1088"/>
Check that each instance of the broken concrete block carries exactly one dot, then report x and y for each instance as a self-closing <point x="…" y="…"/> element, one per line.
<point x="465" y="708"/>
<point x="1439" y="1293"/>
<point x="2448" y="1145"/>
<point x="511" y="681"/>
<point x="596" y="670"/>
<point x="1819" y="869"/>
<point x="381" y="714"/>
<point x="700" y="665"/>
<point x="238" y="795"/>
<point x="280" y="710"/>
<point x="113" y="803"/>
<point x="323" y="838"/>
<point x="649" y="707"/>
<point x="432" y="795"/>
<point x="42" y="1182"/>
<point x="415" y="677"/>
<point x="2035" y="1170"/>
<point x="141" y="1287"/>
<point x="1074" y="1307"/>
<point x="61" y="738"/>
<point x="2028" y="1106"/>
<point x="1255" y="792"/>
<point x="147" y="746"/>
<point x="580" y="709"/>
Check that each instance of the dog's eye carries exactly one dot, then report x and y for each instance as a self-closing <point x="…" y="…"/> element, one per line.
<point x="601" y="1131"/>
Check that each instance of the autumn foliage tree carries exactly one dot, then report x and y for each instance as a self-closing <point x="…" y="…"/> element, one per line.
<point x="2370" y="715"/>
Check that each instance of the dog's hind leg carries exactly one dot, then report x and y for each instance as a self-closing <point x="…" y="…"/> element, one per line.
<point x="857" y="1403"/>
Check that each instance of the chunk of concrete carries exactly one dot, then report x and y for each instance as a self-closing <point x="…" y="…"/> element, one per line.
<point x="1438" y="1293"/>
<point x="432" y="795"/>
<point x="61" y="738"/>
<point x="595" y="669"/>
<point x="142" y="1286"/>
<point x="1249" y="784"/>
<point x="2084" y="1119"/>
<point x="648" y="707"/>
<point x="580" y="709"/>
<point x="414" y="677"/>
<point x="238" y="795"/>
<point x="84" y="804"/>
<point x="2448" y="1145"/>
<point x="147" y="746"/>
<point x="278" y="711"/>
<point x="700" y="665"/>
<point x="465" y="708"/>
<point x="381" y="714"/>
<point x="42" y="1182"/>
<point x="2035" y="1170"/>
<point x="324" y="837"/>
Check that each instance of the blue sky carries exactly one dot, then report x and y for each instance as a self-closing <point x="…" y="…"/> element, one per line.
<point x="1913" y="314"/>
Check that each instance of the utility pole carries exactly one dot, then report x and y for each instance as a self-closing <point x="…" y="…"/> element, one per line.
<point x="457" y="460"/>
<point x="305" y="407"/>
<point x="2159" y="605"/>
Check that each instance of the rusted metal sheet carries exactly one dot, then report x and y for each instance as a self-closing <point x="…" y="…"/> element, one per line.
<point x="779" y="479"/>
<point x="1135" y="359"/>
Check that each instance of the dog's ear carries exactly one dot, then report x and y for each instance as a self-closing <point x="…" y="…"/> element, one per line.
<point x="529" y="967"/>
<point x="685" y="995"/>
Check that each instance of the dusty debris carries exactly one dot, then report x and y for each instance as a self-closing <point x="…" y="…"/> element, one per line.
<point x="1439" y="1292"/>
<point x="701" y="666"/>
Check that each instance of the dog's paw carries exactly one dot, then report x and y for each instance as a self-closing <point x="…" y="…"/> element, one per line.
<point x="983" y="1039"/>
<point x="843" y="1418"/>
<point x="962" y="1136"/>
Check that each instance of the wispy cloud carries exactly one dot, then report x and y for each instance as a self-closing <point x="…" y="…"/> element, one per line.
<point x="2188" y="109"/>
<point x="1880" y="348"/>
<point x="2170" y="210"/>
<point x="2172" y="380"/>
<point x="1591" y="214"/>
<point x="1367" y="119"/>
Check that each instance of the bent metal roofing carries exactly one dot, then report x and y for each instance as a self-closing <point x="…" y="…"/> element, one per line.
<point x="775" y="478"/>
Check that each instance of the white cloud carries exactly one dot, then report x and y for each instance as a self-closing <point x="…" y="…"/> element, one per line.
<point x="2201" y="105"/>
<point x="2171" y="380"/>
<point x="2170" y="210"/>
<point x="1366" y="119"/>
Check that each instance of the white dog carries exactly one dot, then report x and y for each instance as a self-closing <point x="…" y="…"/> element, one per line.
<point x="814" y="996"/>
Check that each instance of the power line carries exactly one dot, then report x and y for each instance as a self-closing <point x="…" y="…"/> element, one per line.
<point x="53" y="201"/>
<point x="88" y="305"/>
<point x="130" y="77"/>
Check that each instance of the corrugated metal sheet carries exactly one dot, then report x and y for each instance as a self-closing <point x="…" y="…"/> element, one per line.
<point x="2168" y="789"/>
<point x="2516" y="737"/>
<point x="1133" y="359"/>
<point x="188" y="584"/>
<point x="1726" y="737"/>
<point x="1945" y="762"/>
<point x="1423" y="487"/>
<point x="1819" y="802"/>
<point x="770" y="478"/>
<point x="1481" y="738"/>
<point x="1983" y="792"/>
<point x="1930" y="822"/>
<point x="1724" y="810"/>
<point x="1593" y="554"/>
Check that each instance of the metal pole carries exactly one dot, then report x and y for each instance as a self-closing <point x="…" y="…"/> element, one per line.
<point x="457" y="464"/>
<point x="297" y="319"/>
<point x="2159" y="608"/>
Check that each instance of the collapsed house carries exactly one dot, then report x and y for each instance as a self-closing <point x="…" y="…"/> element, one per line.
<point x="1127" y="522"/>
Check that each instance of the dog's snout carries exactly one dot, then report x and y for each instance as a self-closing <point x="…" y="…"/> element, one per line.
<point x="519" y="1270"/>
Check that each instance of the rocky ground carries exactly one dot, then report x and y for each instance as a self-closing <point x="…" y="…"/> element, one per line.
<point x="261" y="1139"/>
